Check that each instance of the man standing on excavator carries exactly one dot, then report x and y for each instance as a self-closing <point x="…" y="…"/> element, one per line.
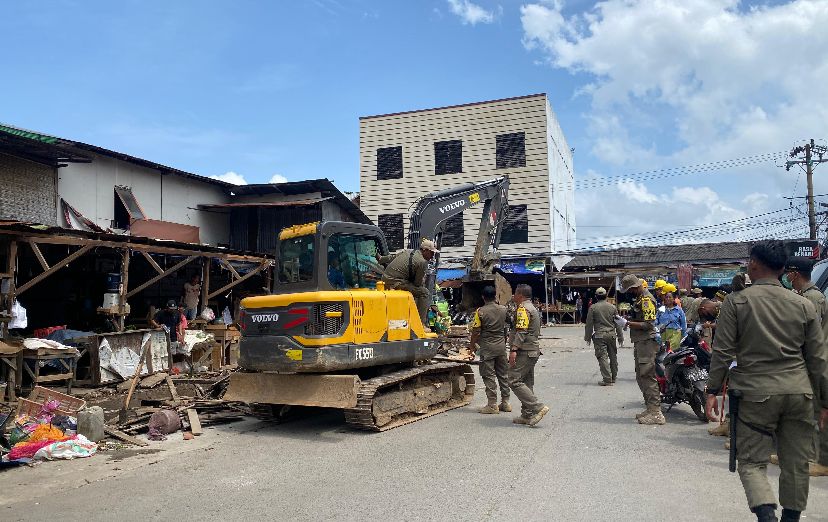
<point x="406" y="270"/>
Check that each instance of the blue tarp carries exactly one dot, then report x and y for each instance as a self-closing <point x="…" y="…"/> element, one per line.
<point x="447" y="274"/>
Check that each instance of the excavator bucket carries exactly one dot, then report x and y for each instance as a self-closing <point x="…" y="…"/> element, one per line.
<point x="472" y="291"/>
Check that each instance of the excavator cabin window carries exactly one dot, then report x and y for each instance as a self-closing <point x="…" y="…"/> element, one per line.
<point x="352" y="261"/>
<point x="296" y="259"/>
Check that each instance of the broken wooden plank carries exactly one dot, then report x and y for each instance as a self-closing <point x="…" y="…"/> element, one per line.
<point x="153" y="380"/>
<point x="195" y="423"/>
<point x="118" y="434"/>
<point x="173" y="391"/>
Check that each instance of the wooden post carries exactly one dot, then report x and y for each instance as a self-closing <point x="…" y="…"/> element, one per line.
<point x="11" y="271"/>
<point x="205" y="285"/>
<point x="122" y="292"/>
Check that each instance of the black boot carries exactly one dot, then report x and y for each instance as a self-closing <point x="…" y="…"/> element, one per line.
<point x="765" y="513"/>
<point x="789" y="515"/>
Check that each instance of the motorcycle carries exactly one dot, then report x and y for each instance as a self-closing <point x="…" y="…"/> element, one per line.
<point x="682" y="372"/>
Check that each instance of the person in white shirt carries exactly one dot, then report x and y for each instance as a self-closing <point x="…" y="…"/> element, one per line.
<point x="192" y="292"/>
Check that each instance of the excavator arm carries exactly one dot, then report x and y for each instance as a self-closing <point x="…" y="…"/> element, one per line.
<point x="432" y="211"/>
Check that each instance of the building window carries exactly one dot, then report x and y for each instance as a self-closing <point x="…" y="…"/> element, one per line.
<point x="392" y="226"/>
<point x="516" y="227"/>
<point x="511" y="150"/>
<point x="389" y="163"/>
<point x="448" y="157"/>
<point x="453" y="233"/>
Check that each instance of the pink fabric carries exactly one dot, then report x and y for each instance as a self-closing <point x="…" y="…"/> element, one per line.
<point x="26" y="450"/>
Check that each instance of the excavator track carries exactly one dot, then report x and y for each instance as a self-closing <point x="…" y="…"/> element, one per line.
<point x="410" y="387"/>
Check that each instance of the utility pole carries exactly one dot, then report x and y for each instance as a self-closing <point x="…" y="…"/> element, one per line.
<point x="809" y="150"/>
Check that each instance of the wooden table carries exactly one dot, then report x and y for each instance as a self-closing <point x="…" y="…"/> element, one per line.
<point x="563" y="315"/>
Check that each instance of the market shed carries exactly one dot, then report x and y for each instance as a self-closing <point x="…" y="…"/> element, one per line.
<point x="146" y="272"/>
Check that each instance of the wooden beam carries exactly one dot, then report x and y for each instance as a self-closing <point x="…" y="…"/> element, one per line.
<point x="245" y="277"/>
<point x="11" y="269"/>
<point x="118" y="434"/>
<point x="138" y="247"/>
<point x="229" y="267"/>
<point x="205" y="282"/>
<point x="43" y="275"/>
<point x="160" y="276"/>
<point x="195" y="422"/>
<point x="122" y="298"/>
<point x="39" y="255"/>
<point x="152" y="262"/>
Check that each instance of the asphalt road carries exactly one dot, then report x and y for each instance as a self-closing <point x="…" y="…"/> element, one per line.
<point x="587" y="460"/>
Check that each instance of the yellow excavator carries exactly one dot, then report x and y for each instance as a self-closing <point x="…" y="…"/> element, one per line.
<point x="330" y="335"/>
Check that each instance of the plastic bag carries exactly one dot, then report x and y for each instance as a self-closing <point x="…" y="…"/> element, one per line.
<point x="19" y="319"/>
<point x="226" y="316"/>
<point x="77" y="447"/>
<point x="208" y="314"/>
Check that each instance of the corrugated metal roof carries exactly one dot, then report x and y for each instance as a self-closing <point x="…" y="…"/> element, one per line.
<point x="699" y="253"/>
<point x="293" y="203"/>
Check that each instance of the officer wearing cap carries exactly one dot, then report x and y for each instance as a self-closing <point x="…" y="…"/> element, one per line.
<point x="798" y="272"/>
<point x="489" y="331"/>
<point x="685" y="299"/>
<point x="601" y="330"/>
<point x="645" y="348"/>
<point x="407" y="270"/>
<point x="692" y="311"/>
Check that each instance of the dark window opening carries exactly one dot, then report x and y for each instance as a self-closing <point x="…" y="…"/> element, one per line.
<point x="511" y="150"/>
<point x="448" y="157"/>
<point x="453" y="233"/>
<point x="392" y="227"/>
<point x="516" y="227"/>
<point x="121" y="217"/>
<point x="389" y="163"/>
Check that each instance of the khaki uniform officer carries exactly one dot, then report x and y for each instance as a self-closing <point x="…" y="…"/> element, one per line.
<point x="489" y="331"/>
<point x="645" y="348"/>
<point x="407" y="271"/>
<point x="776" y="339"/>
<point x="523" y="356"/>
<point x="799" y="274"/>
<point x="601" y="329"/>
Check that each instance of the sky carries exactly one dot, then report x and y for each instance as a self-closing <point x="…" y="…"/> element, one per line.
<point x="257" y="91"/>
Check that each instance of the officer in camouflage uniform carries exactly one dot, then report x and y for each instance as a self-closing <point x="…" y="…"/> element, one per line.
<point x="777" y="341"/>
<point x="489" y="331"/>
<point x="523" y="356"/>
<point x="799" y="274"/>
<point x="645" y="349"/>
<point x="692" y="311"/>
<point x="601" y="329"/>
<point x="407" y="270"/>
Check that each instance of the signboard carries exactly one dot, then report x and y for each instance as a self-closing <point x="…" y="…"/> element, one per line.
<point x="805" y="248"/>
<point x="714" y="278"/>
<point x="523" y="266"/>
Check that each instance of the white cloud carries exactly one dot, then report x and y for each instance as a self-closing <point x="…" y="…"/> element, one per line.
<point x="231" y="177"/>
<point x="278" y="178"/>
<point x="470" y="13"/>
<point x="719" y="80"/>
<point x="636" y="192"/>
<point x="755" y="201"/>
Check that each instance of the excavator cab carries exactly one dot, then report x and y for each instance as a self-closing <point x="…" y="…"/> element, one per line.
<point x="329" y="255"/>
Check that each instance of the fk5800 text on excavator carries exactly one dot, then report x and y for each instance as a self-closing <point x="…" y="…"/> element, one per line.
<point x="331" y="335"/>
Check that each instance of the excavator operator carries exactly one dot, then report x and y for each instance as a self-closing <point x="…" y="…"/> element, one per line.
<point x="406" y="270"/>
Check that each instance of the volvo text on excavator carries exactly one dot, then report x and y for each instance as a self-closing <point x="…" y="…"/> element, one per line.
<point x="331" y="335"/>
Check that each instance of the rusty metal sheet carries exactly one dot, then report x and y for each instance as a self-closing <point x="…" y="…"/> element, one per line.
<point x="327" y="391"/>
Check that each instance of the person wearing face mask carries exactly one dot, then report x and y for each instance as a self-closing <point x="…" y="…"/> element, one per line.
<point x="798" y="274"/>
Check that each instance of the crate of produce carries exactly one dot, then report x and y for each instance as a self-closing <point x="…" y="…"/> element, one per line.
<point x="68" y="405"/>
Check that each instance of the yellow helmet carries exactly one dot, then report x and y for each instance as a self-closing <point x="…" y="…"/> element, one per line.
<point x="644" y="283"/>
<point x="659" y="283"/>
<point x="669" y="287"/>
